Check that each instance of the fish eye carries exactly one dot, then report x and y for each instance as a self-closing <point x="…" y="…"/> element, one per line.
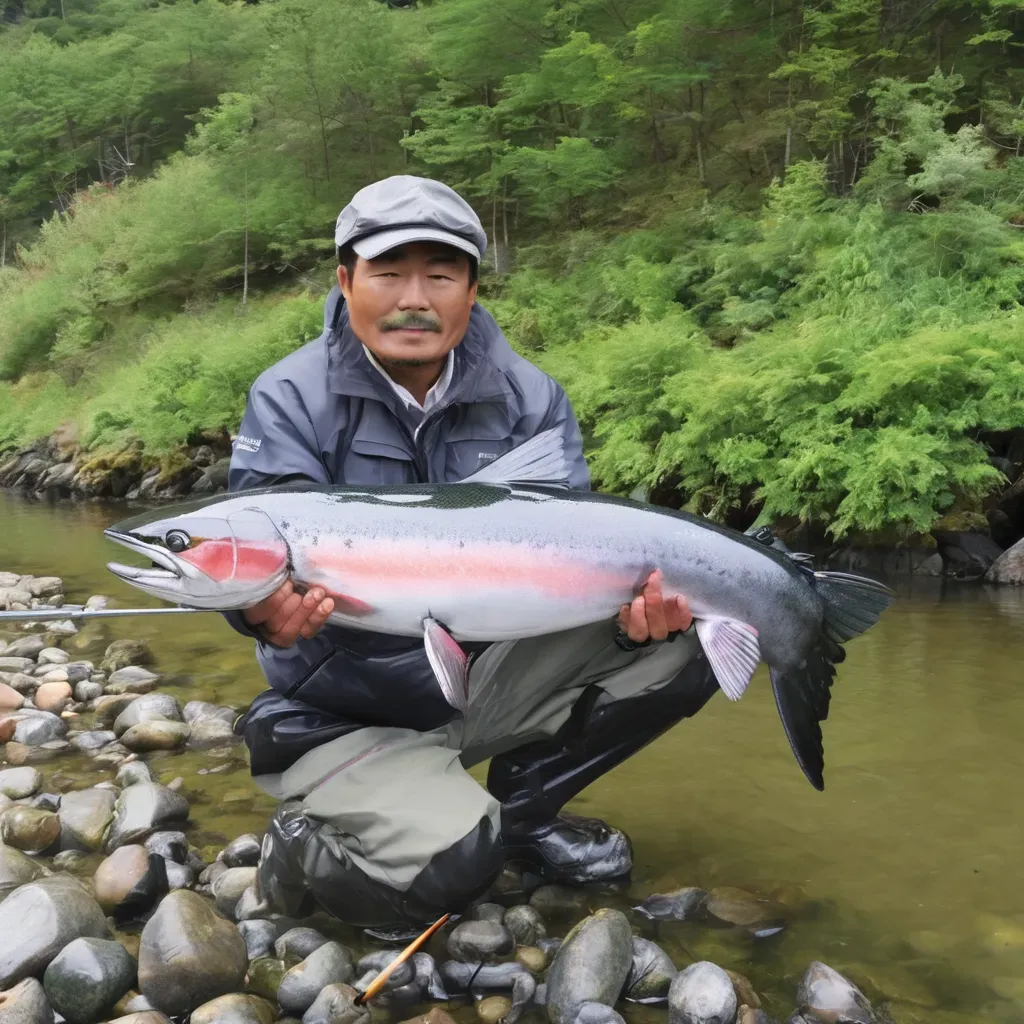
<point x="177" y="540"/>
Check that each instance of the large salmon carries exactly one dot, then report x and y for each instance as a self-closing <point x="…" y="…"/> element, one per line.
<point x="511" y="553"/>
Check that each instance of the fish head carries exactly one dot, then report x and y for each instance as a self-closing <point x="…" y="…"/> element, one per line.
<point x="226" y="557"/>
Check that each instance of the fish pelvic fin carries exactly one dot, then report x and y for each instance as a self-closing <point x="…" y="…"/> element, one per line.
<point x="449" y="662"/>
<point x="853" y="604"/>
<point x="733" y="652"/>
<point x="541" y="460"/>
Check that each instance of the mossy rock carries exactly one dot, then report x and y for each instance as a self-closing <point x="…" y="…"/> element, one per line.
<point x="173" y="466"/>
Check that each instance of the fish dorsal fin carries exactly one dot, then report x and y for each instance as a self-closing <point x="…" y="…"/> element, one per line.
<point x="541" y="460"/>
<point x="733" y="651"/>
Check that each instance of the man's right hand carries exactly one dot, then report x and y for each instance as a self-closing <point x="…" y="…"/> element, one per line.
<point x="286" y="615"/>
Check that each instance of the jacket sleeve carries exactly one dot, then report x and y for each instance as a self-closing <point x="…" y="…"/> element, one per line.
<point x="275" y="445"/>
<point x="560" y="414"/>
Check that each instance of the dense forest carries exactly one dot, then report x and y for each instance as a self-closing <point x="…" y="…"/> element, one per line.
<point x="774" y="249"/>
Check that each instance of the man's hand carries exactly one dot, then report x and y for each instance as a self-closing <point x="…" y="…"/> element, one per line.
<point x="652" y="616"/>
<point x="286" y="615"/>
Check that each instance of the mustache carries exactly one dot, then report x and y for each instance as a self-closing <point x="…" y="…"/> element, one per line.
<point x="411" y="321"/>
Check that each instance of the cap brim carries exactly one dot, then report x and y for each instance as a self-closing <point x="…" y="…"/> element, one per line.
<point x="379" y="243"/>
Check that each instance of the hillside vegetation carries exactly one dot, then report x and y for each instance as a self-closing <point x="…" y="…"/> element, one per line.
<point x="773" y="249"/>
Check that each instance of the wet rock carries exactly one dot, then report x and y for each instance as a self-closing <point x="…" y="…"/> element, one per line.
<point x="87" y="690"/>
<point x="45" y="801"/>
<point x="209" y="733"/>
<point x="533" y="958"/>
<point x="18" y="783"/>
<point x="480" y="940"/>
<point x="179" y="876"/>
<point x="49" y="655"/>
<point x="26" y="1003"/>
<point x="210" y="874"/>
<point x="109" y="706"/>
<point x="264" y="977"/>
<point x="201" y="711"/>
<point x="235" y="1008"/>
<point x="24" y="684"/>
<point x="651" y="974"/>
<point x="188" y="955"/>
<point x="113" y="754"/>
<point x="40" y="919"/>
<point x="122" y="653"/>
<point x="591" y="966"/>
<point x="258" y="937"/>
<point x="71" y="861"/>
<point x="144" y="1017"/>
<point x="143" y="809"/>
<point x="92" y="741"/>
<point x="825" y="996"/>
<point x="84" y="817"/>
<point x="526" y="925"/>
<point x="1008" y="568"/>
<point x="8" y="664"/>
<point x="29" y="829"/>
<point x="43" y="586"/>
<point x="53" y="697"/>
<point x="336" y="1004"/>
<point x="730" y="906"/>
<point x="150" y="707"/>
<point x="487" y="912"/>
<point x="555" y="900"/>
<point x="63" y="628"/>
<point x="39" y="728"/>
<point x="87" y="977"/>
<point x="745" y="994"/>
<point x="228" y="888"/>
<point x="16" y="869"/>
<point x="330" y="964"/>
<point x="243" y="852"/>
<point x="156" y="735"/>
<point x="20" y="753"/>
<point x="299" y="943"/>
<point x="493" y="1009"/>
<point x="31" y="647"/>
<point x="251" y="906"/>
<point x="433" y="1016"/>
<point x="131" y="680"/>
<point x="170" y="845"/>
<point x="702" y="994"/>
<point x="130" y="881"/>
<point x="677" y="905"/>
<point x="428" y="978"/>
<point x="596" y="1013"/>
<point x="132" y="773"/>
<point x="752" y="1015"/>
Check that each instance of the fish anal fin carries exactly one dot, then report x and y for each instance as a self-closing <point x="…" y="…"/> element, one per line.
<point x="733" y="651"/>
<point x="449" y="662"/>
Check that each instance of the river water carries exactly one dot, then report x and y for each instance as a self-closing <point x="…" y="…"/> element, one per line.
<point x="904" y="873"/>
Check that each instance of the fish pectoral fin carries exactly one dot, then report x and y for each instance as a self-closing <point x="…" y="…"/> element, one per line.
<point x="541" y="460"/>
<point x="449" y="662"/>
<point x="733" y="651"/>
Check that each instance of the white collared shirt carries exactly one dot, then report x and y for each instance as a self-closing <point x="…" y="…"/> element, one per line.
<point x="434" y="395"/>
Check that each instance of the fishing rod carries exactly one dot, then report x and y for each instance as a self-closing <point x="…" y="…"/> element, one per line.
<point x="62" y="614"/>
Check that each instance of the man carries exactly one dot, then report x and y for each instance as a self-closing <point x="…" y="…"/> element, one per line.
<point x="412" y="381"/>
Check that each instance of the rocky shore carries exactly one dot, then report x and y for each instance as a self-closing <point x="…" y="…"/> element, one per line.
<point x="985" y="545"/>
<point x="113" y="910"/>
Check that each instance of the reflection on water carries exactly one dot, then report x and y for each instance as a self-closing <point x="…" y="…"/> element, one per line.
<point x="903" y="872"/>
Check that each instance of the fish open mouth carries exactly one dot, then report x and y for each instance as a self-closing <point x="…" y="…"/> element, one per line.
<point x="166" y="570"/>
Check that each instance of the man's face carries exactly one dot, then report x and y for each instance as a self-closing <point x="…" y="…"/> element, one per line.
<point x="411" y="305"/>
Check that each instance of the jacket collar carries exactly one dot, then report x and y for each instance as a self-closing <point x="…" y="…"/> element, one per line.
<point x="476" y="377"/>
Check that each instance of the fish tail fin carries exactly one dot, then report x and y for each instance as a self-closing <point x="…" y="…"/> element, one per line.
<point x="853" y="604"/>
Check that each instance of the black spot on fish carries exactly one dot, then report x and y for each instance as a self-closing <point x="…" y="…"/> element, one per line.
<point x="348" y="542"/>
<point x="462" y="543"/>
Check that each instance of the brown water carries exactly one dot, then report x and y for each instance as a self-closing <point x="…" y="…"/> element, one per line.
<point x="904" y="873"/>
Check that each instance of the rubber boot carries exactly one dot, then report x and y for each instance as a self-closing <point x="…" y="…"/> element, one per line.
<point x="534" y="782"/>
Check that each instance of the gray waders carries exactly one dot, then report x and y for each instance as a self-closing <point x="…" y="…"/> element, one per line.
<point x="383" y="826"/>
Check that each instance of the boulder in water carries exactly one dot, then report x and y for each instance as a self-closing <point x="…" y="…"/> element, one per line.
<point x="131" y="680"/>
<point x="264" y="977"/>
<point x="53" y="697"/>
<point x="87" y="690"/>
<point x="33" y="647"/>
<point x="169" y="845"/>
<point x="26" y="1003"/>
<point x="130" y="881"/>
<point x="235" y="1008"/>
<point x="110" y="705"/>
<point x="1008" y="568"/>
<point x="298" y="943"/>
<point x="702" y="994"/>
<point x="188" y="955"/>
<point x="16" y="868"/>
<point x="336" y="1004"/>
<point x="677" y="905"/>
<point x="731" y="906"/>
<point x="156" y="735"/>
<point x="651" y="974"/>
<point x="228" y="888"/>
<point x="122" y="653"/>
<point x="49" y="655"/>
<point x="596" y="1013"/>
<point x="40" y="919"/>
<point x="10" y="698"/>
<point x="258" y="937"/>
<point x="243" y="852"/>
<point x="329" y="964"/>
<point x="87" y="977"/>
<point x="132" y="772"/>
<point x="143" y="809"/>
<point x="150" y="707"/>
<point x="39" y="728"/>
<point x="18" y="783"/>
<point x="824" y="996"/>
<point x="29" y="829"/>
<point x="525" y="924"/>
<point x="85" y="815"/>
<point x="591" y="966"/>
<point x="473" y="941"/>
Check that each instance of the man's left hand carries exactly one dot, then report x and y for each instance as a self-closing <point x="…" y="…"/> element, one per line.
<point x="652" y="616"/>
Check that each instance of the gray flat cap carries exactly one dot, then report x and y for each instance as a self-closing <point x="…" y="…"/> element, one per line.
<point x="404" y="209"/>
